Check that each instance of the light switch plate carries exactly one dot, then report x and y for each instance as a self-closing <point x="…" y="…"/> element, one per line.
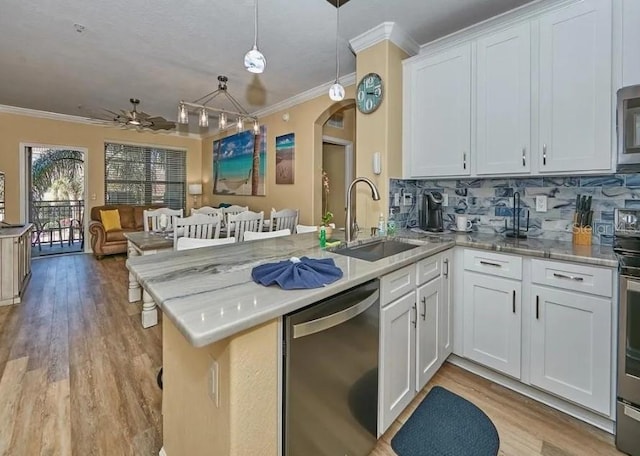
<point x="445" y="199"/>
<point x="541" y="203"/>
<point x="396" y="199"/>
<point x="408" y="199"/>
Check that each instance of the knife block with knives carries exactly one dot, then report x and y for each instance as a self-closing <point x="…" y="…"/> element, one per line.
<point x="582" y="230"/>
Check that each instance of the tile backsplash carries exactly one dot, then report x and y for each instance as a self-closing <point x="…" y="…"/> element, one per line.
<point x="489" y="202"/>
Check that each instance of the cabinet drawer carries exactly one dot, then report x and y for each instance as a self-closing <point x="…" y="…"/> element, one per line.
<point x="577" y="277"/>
<point x="397" y="284"/>
<point x="429" y="269"/>
<point x="507" y="266"/>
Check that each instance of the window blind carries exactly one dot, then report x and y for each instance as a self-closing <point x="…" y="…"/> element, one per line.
<point x="144" y="175"/>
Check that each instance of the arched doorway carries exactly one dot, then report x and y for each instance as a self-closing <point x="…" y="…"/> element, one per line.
<point x="334" y="145"/>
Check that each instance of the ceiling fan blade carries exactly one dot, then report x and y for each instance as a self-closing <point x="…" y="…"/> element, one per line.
<point x="142" y="115"/>
<point x="160" y="123"/>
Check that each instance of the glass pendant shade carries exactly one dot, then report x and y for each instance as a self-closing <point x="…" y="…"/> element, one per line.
<point x="203" y="120"/>
<point x="222" y="120"/>
<point x="240" y="124"/>
<point x="256" y="127"/>
<point x="336" y="92"/>
<point x="254" y="61"/>
<point x="183" y="115"/>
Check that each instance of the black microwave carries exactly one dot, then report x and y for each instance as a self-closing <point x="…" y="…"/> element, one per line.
<point x="628" y="125"/>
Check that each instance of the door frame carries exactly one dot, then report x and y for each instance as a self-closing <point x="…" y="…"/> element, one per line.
<point x="24" y="191"/>
<point x="348" y="160"/>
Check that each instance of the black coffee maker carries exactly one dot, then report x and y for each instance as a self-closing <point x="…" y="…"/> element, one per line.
<point x="431" y="214"/>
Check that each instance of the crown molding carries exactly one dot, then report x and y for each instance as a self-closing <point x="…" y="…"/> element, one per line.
<point x="310" y="94"/>
<point x="503" y="20"/>
<point x="6" y="109"/>
<point x="385" y="31"/>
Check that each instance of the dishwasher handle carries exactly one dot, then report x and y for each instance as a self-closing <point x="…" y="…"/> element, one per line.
<point x="320" y="324"/>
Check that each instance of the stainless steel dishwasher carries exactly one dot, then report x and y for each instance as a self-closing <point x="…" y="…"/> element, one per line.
<point x="331" y="375"/>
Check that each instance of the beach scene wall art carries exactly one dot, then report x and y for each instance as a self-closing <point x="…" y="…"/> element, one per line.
<point x="285" y="156"/>
<point x="239" y="164"/>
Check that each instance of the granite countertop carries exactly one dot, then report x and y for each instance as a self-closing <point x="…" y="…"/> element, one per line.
<point x="598" y="255"/>
<point x="11" y="231"/>
<point x="208" y="293"/>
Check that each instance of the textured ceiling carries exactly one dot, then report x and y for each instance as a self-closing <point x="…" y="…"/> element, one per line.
<point x="162" y="51"/>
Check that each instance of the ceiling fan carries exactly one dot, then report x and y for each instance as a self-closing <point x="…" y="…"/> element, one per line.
<point x="140" y="119"/>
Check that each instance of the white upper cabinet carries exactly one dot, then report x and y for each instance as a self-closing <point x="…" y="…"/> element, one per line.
<point x="630" y="42"/>
<point x="575" y="88"/>
<point x="503" y="110"/>
<point x="528" y="93"/>
<point x="437" y="113"/>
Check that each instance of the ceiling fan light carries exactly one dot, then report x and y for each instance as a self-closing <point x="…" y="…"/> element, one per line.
<point x="254" y="61"/>
<point x="183" y="115"/>
<point x="203" y="120"/>
<point x="222" y="121"/>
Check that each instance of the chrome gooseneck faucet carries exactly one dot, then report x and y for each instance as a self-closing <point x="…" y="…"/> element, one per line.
<point x="351" y="228"/>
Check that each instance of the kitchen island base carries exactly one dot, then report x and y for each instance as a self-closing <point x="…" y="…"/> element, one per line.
<point x="245" y="421"/>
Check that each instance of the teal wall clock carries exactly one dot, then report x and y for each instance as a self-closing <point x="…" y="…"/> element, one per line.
<point x="369" y="93"/>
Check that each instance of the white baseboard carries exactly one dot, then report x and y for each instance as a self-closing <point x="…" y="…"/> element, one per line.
<point x="575" y="411"/>
<point x="162" y="452"/>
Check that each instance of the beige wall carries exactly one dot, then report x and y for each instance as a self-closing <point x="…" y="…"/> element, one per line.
<point x="305" y="120"/>
<point x="348" y="133"/>
<point x="16" y="129"/>
<point x="380" y="131"/>
<point x="246" y="420"/>
<point x="333" y="157"/>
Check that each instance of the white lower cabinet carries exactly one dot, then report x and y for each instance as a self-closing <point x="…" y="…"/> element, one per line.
<point x="415" y="332"/>
<point x="492" y="321"/>
<point x="571" y="346"/>
<point x="397" y="355"/>
<point x="564" y="328"/>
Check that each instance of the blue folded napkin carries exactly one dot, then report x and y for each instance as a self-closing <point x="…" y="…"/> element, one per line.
<point x="297" y="273"/>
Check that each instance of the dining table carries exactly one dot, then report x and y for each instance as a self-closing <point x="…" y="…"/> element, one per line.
<point x="141" y="243"/>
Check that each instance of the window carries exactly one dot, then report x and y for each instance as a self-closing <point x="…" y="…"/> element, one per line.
<point x="144" y="175"/>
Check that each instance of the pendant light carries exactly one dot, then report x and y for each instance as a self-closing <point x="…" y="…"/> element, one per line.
<point x="254" y="61"/>
<point x="183" y="114"/>
<point x="336" y="91"/>
<point x="203" y="120"/>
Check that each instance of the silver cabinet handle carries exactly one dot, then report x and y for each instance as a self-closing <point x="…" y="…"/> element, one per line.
<point x="537" y="307"/>
<point x="562" y="276"/>
<point x="424" y="308"/>
<point x="544" y="154"/>
<point x="415" y="309"/>
<point x="524" y="156"/>
<point x="489" y="263"/>
<point x="464" y="160"/>
<point x="446" y="269"/>
<point x="514" y="301"/>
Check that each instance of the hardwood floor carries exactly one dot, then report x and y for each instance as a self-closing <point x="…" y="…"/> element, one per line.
<point x="77" y="376"/>
<point x="77" y="371"/>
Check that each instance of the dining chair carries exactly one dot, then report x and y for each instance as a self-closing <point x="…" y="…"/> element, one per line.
<point x="283" y="220"/>
<point x="152" y="218"/>
<point x="185" y="243"/>
<point x="306" y="229"/>
<point x="198" y="226"/>
<point x="231" y="210"/>
<point x="208" y="210"/>
<point x="244" y="221"/>
<point x="252" y="236"/>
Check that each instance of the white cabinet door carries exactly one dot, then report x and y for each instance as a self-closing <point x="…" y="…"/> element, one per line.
<point x="428" y="297"/>
<point x="503" y="111"/>
<point x="437" y="116"/>
<point x="575" y="88"/>
<point x="445" y="313"/>
<point x="630" y="42"/>
<point x="397" y="358"/>
<point x="492" y="322"/>
<point x="571" y="346"/>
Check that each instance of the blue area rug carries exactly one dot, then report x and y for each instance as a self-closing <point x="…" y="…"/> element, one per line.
<point x="444" y="424"/>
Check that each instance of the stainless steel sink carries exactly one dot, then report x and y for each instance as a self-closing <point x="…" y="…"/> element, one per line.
<point x="377" y="250"/>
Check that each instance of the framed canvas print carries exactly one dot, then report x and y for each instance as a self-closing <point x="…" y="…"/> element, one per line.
<point x="239" y="164"/>
<point x="285" y="159"/>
